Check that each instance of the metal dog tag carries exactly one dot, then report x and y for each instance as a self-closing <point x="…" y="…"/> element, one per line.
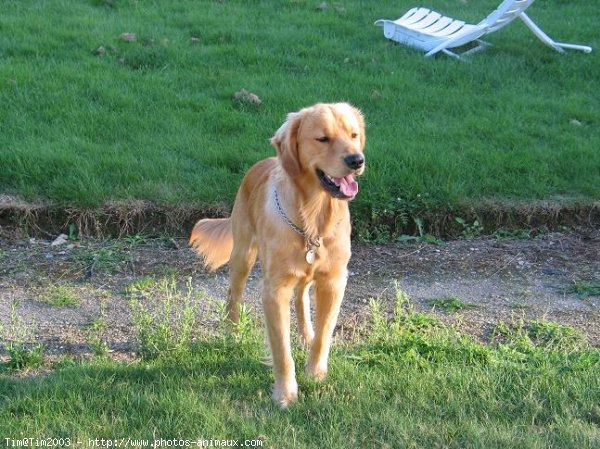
<point x="310" y="256"/>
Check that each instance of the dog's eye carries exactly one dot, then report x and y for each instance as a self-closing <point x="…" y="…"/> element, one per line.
<point x="323" y="139"/>
<point x="354" y="135"/>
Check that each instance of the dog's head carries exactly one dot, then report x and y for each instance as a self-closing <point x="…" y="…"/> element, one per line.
<point x="323" y="145"/>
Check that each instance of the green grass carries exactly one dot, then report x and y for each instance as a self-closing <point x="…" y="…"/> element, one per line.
<point x="156" y="119"/>
<point x="404" y="393"/>
<point x="407" y="381"/>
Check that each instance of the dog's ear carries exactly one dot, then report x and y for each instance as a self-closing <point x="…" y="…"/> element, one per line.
<point x="361" y="124"/>
<point x="286" y="142"/>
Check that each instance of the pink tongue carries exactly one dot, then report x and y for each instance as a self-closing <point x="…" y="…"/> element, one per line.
<point x="348" y="186"/>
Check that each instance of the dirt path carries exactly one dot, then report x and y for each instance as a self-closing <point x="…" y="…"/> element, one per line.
<point x="500" y="279"/>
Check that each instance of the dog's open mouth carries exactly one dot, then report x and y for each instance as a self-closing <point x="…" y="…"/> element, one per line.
<point x="343" y="188"/>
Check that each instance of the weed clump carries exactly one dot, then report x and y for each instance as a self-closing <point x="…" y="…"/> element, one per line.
<point x="164" y="329"/>
<point x="15" y="337"/>
<point x="585" y="289"/>
<point x="528" y="335"/>
<point x="59" y="296"/>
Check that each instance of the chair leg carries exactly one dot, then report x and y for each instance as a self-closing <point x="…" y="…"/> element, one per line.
<point x="481" y="45"/>
<point x="449" y="53"/>
<point x="583" y="48"/>
<point x="460" y="38"/>
<point x="558" y="46"/>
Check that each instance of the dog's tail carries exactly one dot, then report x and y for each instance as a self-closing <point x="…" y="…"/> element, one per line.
<point x="213" y="240"/>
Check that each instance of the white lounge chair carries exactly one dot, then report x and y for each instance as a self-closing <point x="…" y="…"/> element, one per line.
<point x="432" y="32"/>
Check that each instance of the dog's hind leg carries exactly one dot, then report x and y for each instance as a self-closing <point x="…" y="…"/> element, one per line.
<point x="241" y="262"/>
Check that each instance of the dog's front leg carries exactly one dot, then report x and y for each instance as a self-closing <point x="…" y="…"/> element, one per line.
<point x="329" y="292"/>
<point x="276" y="305"/>
<point x="302" y="302"/>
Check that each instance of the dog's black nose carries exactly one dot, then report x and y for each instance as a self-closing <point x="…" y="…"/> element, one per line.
<point x="354" y="161"/>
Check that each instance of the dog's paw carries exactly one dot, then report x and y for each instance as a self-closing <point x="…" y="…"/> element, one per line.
<point x="284" y="396"/>
<point x="307" y="339"/>
<point x="316" y="372"/>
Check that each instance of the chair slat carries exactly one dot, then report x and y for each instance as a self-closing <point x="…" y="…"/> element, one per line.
<point x="428" y="20"/>
<point x="414" y="17"/>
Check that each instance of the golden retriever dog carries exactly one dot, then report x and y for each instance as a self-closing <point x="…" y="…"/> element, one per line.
<point x="292" y="212"/>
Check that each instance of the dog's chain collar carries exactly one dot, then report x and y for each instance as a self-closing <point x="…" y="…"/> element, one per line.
<point x="311" y="244"/>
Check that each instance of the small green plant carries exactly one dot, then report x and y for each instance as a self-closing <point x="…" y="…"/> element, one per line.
<point x="72" y="232"/>
<point x="24" y="356"/>
<point x="59" y="295"/>
<point x="450" y="304"/>
<point x="554" y="335"/>
<point x="406" y="318"/>
<point x="98" y="345"/>
<point x="95" y="337"/>
<point x="376" y="233"/>
<point x="166" y="330"/>
<point x="21" y="354"/>
<point x="585" y="289"/>
<point x="379" y="222"/>
<point x="379" y="322"/>
<point x="520" y="234"/>
<point x="142" y="287"/>
<point x="103" y="259"/>
<point x="469" y="230"/>
<point x="134" y="240"/>
<point x="241" y="331"/>
<point x="107" y="257"/>
<point x="423" y="236"/>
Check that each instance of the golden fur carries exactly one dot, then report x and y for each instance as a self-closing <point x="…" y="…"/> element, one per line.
<point x="324" y="138"/>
